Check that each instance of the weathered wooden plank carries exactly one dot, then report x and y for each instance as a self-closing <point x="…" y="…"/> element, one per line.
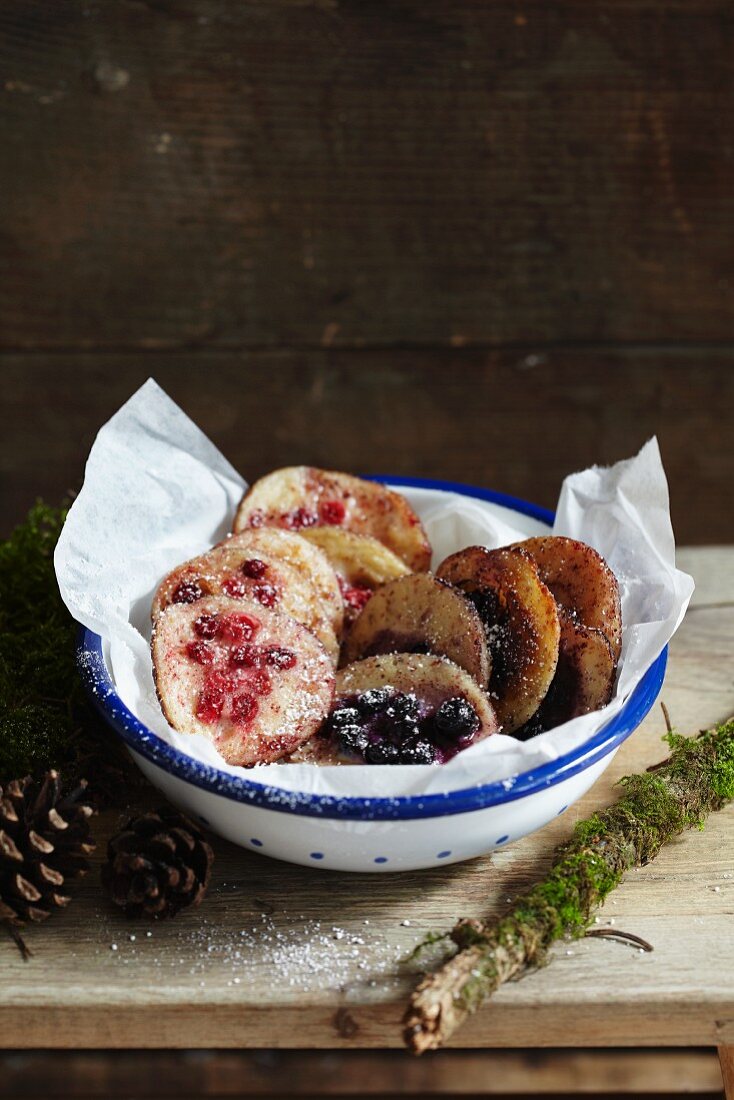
<point x="726" y="1055"/>
<point x="714" y="570"/>
<point x="135" y="1075"/>
<point x="512" y="421"/>
<point x="281" y="956"/>
<point x="271" y="173"/>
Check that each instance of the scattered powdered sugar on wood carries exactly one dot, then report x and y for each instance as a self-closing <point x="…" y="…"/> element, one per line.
<point x="296" y="953"/>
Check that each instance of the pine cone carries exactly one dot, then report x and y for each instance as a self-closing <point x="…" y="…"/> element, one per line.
<point x="158" y="864"/>
<point x="44" y="840"/>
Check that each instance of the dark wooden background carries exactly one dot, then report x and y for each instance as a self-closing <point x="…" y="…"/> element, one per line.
<point x="488" y="241"/>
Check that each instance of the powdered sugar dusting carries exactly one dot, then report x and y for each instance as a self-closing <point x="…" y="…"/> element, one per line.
<point x="298" y="954"/>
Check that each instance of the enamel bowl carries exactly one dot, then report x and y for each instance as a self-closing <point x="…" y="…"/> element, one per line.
<point x="373" y="834"/>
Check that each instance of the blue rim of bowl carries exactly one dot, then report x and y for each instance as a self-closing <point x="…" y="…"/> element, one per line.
<point x="151" y="747"/>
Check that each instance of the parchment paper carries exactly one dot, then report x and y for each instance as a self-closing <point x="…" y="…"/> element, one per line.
<point x="157" y="492"/>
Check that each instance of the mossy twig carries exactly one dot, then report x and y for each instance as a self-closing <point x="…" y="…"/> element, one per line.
<point x="618" y="934"/>
<point x="655" y="807"/>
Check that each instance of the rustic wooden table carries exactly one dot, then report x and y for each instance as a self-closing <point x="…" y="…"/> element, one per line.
<point x="484" y="242"/>
<point x="284" y="958"/>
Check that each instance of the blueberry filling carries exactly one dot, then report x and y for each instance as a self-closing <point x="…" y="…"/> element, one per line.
<point x="343" y="717"/>
<point x="490" y="609"/>
<point x="352" y="740"/>
<point x="403" y="708"/>
<point x="417" y="750"/>
<point x="372" y="701"/>
<point x="382" y="726"/>
<point x="456" y="718"/>
<point x="382" y="752"/>
<point x="390" y="641"/>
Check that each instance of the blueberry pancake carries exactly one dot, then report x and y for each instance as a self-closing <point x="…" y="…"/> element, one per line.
<point x="419" y="614"/>
<point x="582" y="583"/>
<point x="521" y="623"/>
<point x="401" y="709"/>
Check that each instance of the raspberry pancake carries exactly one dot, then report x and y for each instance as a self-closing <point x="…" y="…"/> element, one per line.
<point x="300" y="497"/>
<point x="402" y="708"/>
<point x="361" y="563"/>
<point x="253" y="681"/>
<point x="419" y="614"/>
<point x="582" y="583"/>
<point x="237" y="573"/>
<point x="271" y="545"/>
<point x="520" y="618"/>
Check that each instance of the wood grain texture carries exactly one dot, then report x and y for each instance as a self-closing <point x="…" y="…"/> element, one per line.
<point x="726" y="1057"/>
<point x="339" y="173"/>
<point x="139" y="1075"/>
<point x="514" y="421"/>
<point x="311" y="973"/>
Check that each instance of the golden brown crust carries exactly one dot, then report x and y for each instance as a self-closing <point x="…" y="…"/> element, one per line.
<point x="584" y="679"/>
<point x="419" y="614"/>
<point x="305" y="496"/>
<point x="357" y="559"/>
<point x="582" y="583"/>
<point x="521" y="619"/>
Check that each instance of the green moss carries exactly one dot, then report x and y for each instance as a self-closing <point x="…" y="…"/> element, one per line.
<point x="655" y="807"/>
<point x="38" y="682"/>
<point x="723" y="777"/>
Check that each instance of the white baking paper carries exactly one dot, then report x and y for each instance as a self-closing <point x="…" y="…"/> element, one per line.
<point x="157" y="492"/>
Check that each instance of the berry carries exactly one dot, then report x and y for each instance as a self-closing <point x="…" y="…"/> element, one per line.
<point x="200" y="652"/>
<point x="357" y="596"/>
<point x="344" y="716"/>
<point x="417" y="751"/>
<point x="382" y="752"/>
<point x="244" y="708"/>
<point x="206" y="626"/>
<point x="280" y="658"/>
<point x="260" y="682"/>
<point x="254" y="568"/>
<point x="456" y="717"/>
<point x="238" y="628"/>
<point x="299" y="518"/>
<point x="373" y="700"/>
<point x="403" y="707"/>
<point x="245" y="656"/>
<point x="187" y="592"/>
<point x="405" y="729"/>
<point x="234" y="587"/>
<point x="219" y="681"/>
<point x="210" y="704"/>
<point x="332" y="511"/>
<point x="257" y="519"/>
<point x="352" y="739"/>
<point x="354" y="596"/>
<point x="266" y="594"/>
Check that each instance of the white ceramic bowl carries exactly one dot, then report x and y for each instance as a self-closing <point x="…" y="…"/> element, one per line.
<point x="372" y="834"/>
